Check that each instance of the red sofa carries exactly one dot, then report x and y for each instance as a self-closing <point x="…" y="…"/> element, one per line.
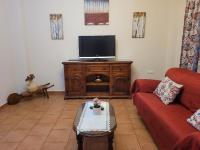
<point x="167" y="124"/>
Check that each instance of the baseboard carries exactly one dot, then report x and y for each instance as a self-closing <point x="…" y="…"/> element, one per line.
<point x="56" y="92"/>
<point x="3" y="106"/>
<point x="50" y="92"/>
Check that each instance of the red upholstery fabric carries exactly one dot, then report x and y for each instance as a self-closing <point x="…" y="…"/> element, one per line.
<point x="190" y="142"/>
<point x="167" y="124"/>
<point x="163" y="122"/>
<point x="190" y="95"/>
<point x="144" y="85"/>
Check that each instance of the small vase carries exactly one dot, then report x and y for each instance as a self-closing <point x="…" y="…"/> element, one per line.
<point x="97" y="111"/>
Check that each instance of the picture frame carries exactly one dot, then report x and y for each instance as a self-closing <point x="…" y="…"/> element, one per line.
<point x="56" y="26"/>
<point x="139" y="21"/>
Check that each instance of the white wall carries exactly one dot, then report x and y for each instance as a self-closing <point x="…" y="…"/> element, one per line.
<point x="174" y="33"/>
<point x="149" y="54"/>
<point x="12" y="51"/>
<point x="26" y="45"/>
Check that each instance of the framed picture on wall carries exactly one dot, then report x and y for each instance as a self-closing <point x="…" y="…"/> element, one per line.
<point x="56" y="24"/>
<point x="96" y="12"/>
<point x="139" y="20"/>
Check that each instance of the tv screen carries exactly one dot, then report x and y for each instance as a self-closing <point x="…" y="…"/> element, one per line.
<point x="97" y="46"/>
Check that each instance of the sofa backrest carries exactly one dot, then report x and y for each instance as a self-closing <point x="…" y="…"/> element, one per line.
<point x="190" y="94"/>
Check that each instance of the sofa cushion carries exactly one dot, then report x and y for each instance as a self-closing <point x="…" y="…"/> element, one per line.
<point x="194" y="120"/>
<point x="190" y="93"/>
<point x="170" y="119"/>
<point x="167" y="90"/>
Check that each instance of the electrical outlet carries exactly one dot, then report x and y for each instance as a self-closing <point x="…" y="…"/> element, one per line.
<point x="150" y="72"/>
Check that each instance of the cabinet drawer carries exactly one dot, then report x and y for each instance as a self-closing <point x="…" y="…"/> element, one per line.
<point x="75" y="68"/>
<point x="98" y="68"/>
<point x="120" y="68"/>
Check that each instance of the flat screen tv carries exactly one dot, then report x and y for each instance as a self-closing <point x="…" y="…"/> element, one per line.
<point x="97" y="46"/>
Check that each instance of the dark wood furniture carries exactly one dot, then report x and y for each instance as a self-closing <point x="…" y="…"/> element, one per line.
<point x="95" y="140"/>
<point x="107" y="79"/>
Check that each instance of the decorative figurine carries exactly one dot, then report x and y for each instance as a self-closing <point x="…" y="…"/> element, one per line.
<point x="31" y="85"/>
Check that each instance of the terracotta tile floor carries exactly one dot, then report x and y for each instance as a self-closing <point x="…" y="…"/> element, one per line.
<point x="46" y="124"/>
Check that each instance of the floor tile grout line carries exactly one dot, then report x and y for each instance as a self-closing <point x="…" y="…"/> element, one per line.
<point x="135" y="134"/>
<point x="19" y="143"/>
<point x="59" y="103"/>
<point x="50" y="131"/>
<point x="69" y="137"/>
<point x="25" y="136"/>
<point x="13" y="129"/>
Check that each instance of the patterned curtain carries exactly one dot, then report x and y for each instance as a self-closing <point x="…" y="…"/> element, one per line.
<point x="190" y="55"/>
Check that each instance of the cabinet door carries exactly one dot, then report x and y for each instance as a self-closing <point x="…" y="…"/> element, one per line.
<point x="76" y="80"/>
<point x="120" y="85"/>
<point x="76" y="86"/>
<point x="120" y="80"/>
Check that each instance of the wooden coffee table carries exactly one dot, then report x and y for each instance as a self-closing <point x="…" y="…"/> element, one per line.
<point x="97" y="140"/>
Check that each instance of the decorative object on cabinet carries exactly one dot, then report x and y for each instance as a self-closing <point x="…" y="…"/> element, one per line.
<point x="139" y="19"/>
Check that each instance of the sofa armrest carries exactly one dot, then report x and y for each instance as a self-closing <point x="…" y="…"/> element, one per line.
<point x="144" y="85"/>
<point x="190" y="142"/>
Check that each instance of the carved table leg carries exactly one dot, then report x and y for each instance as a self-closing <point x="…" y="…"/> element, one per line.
<point x="79" y="142"/>
<point x="110" y="141"/>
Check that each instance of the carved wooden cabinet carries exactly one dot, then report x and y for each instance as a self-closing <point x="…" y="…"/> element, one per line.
<point x="74" y="79"/>
<point x="109" y="79"/>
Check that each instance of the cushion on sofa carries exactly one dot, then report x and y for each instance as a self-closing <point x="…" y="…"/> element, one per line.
<point x="194" y="120"/>
<point x="167" y="90"/>
<point x="190" y="93"/>
<point x="170" y="120"/>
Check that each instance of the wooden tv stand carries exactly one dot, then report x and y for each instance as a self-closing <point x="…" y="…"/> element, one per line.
<point x="88" y="79"/>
